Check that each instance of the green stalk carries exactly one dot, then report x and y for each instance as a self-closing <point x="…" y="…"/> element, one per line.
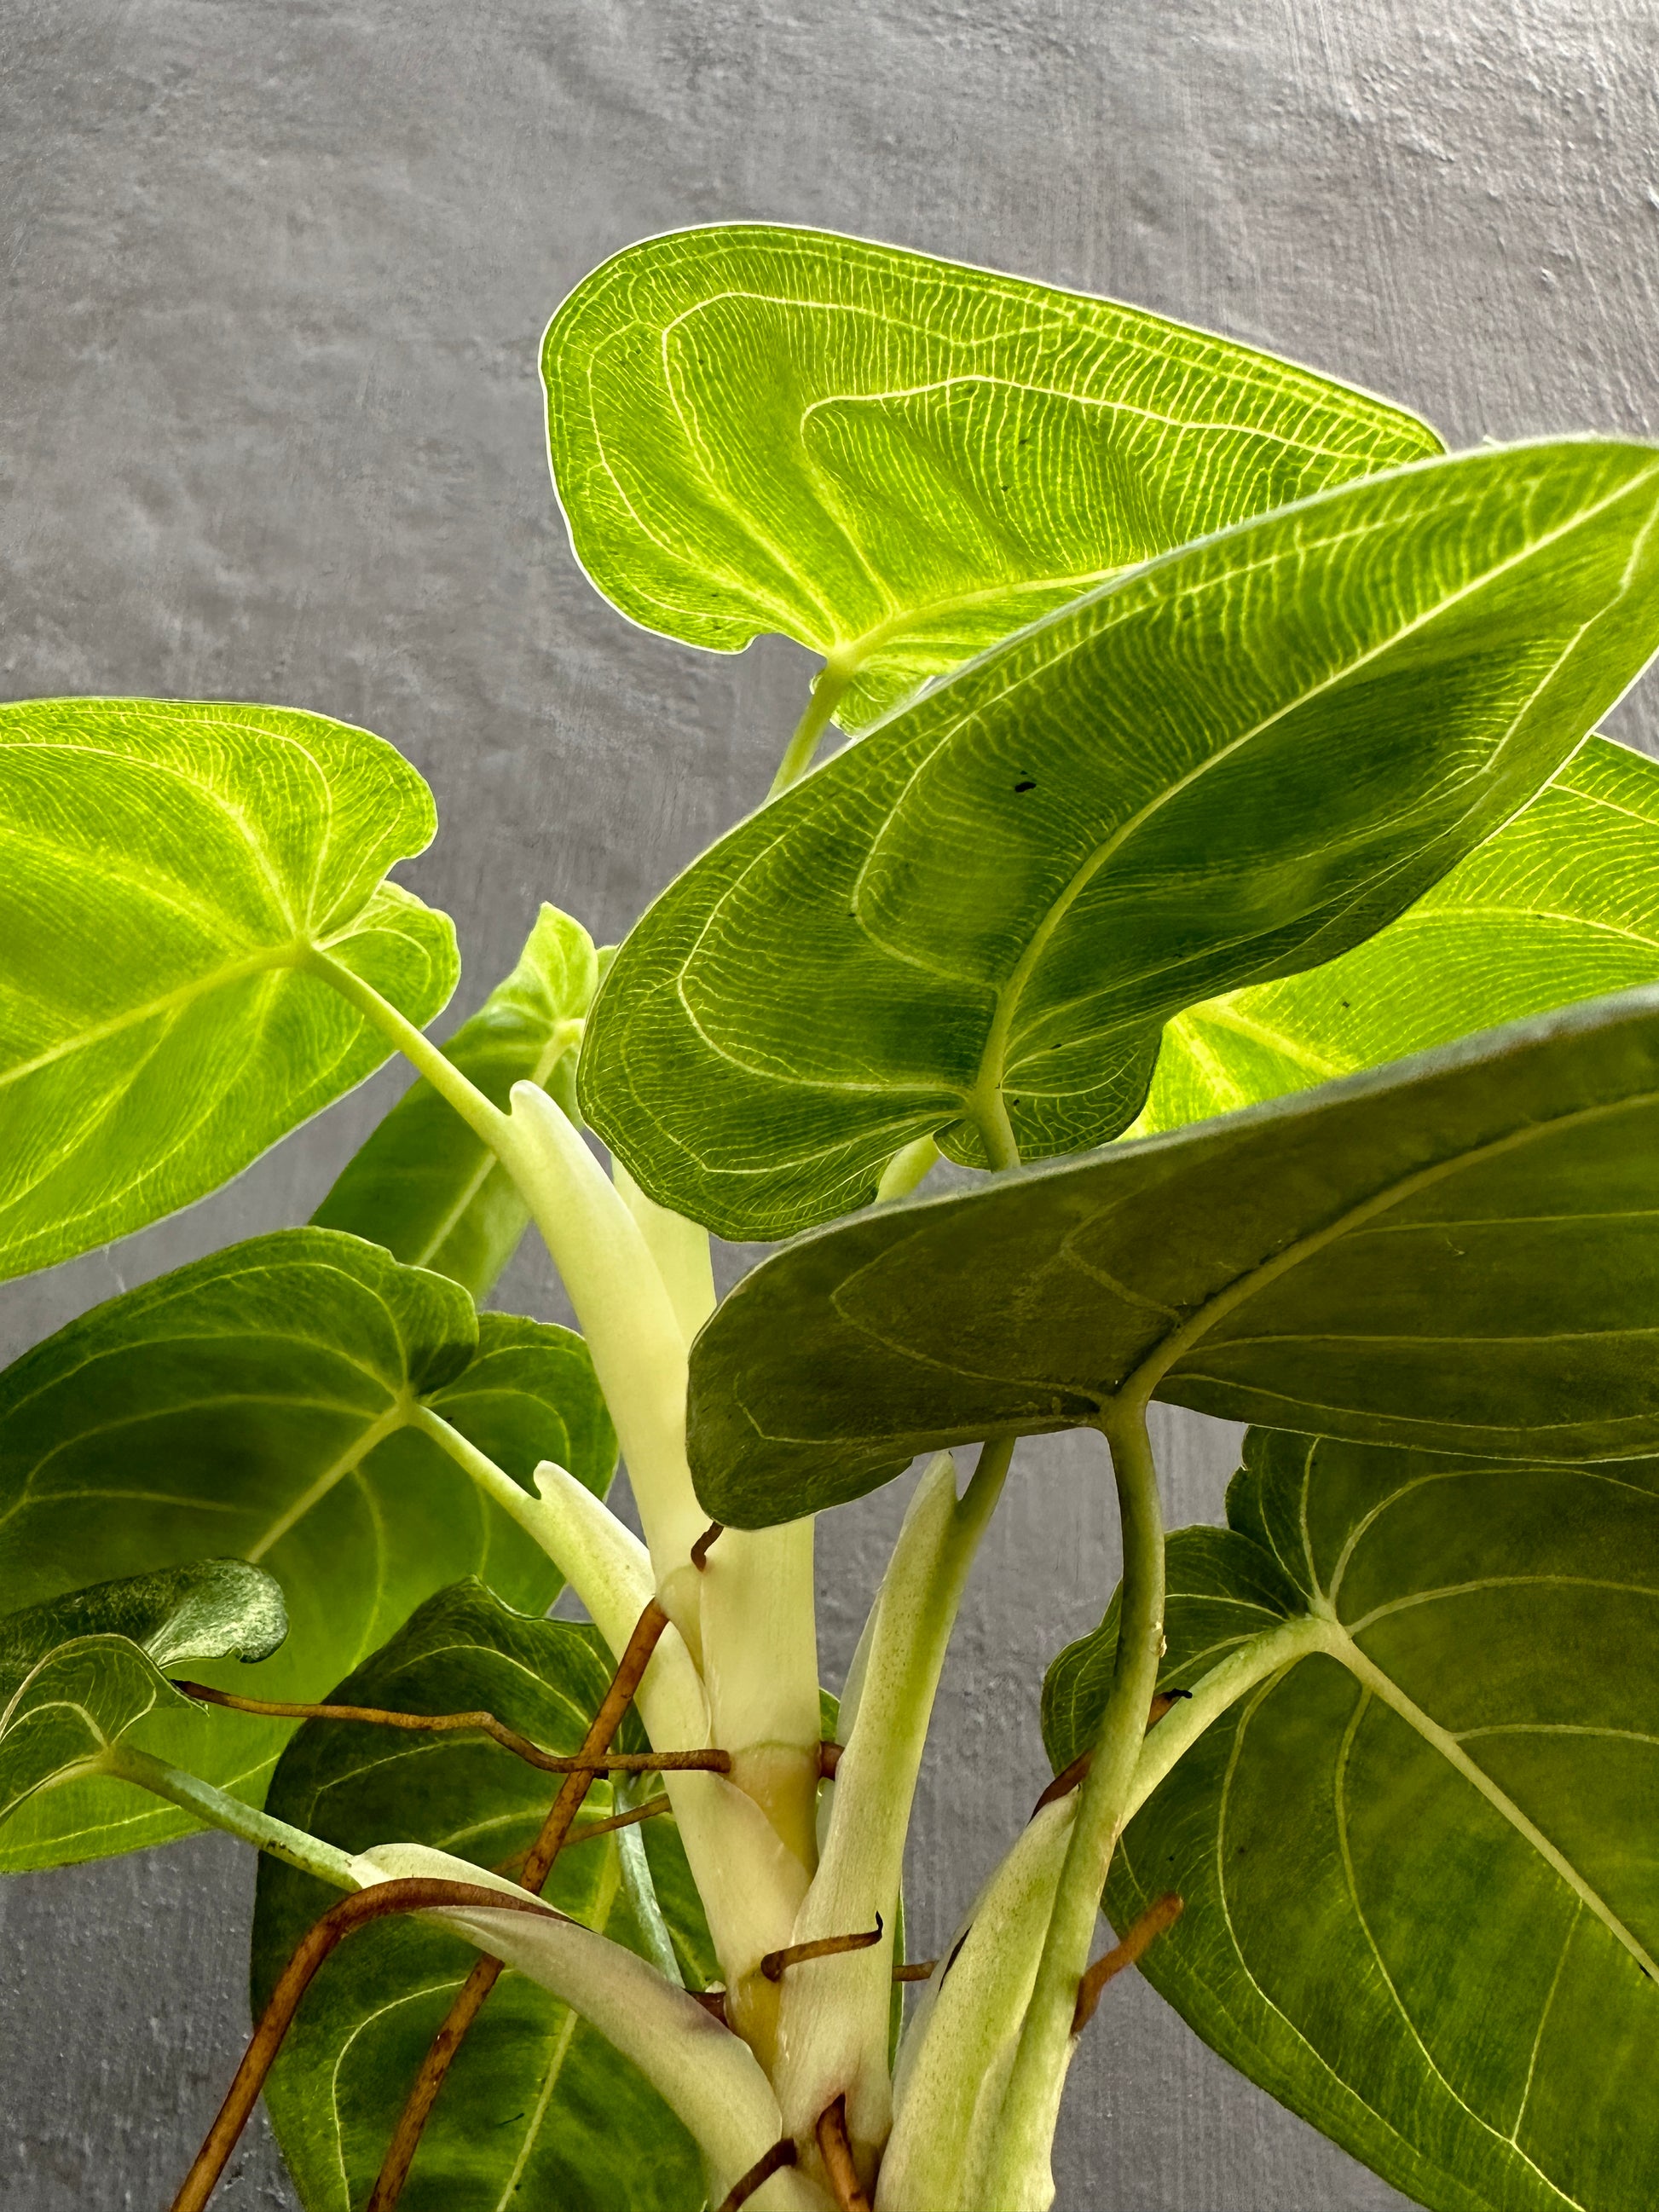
<point x="834" y="2019"/>
<point x="125" y="1762"/>
<point x="486" y="1121"/>
<point x="1019" y="2178"/>
<point x="828" y="685"/>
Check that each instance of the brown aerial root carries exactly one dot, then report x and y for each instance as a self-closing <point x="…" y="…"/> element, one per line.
<point x="1151" y="1923"/>
<point x="773" y="1965"/>
<point x="340" y="1921"/>
<point x="616" y="1762"/>
<point x="828" y="1760"/>
<point x="769" y="2163"/>
<point x="538" y="1863"/>
<point x="1069" y="1777"/>
<point x="648" y="1811"/>
<point x="919" y="1970"/>
<point x="699" y="1555"/>
<point x="836" y="2152"/>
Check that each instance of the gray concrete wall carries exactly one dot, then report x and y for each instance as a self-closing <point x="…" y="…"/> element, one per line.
<point x="276" y="270"/>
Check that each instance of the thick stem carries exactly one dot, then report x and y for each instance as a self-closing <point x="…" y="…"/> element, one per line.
<point x="753" y="1596"/>
<point x="125" y="1762"/>
<point x="1019" y="2178"/>
<point x="828" y="686"/>
<point x="633" y="1335"/>
<point x="834" y="2015"/>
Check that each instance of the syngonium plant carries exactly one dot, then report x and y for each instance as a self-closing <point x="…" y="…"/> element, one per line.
<point x="1220" y="834"/>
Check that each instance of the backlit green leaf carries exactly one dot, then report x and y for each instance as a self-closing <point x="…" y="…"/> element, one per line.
<point x="540" y="2110"/>
<point x="1562" y="904"/>
<point x="426" y="1186"/>
<point x="1461" y="1250"/>
<point x="897" y="460"/>
<point x="1238" y="762"/>
<point x="165" y="867"/>
<point x="257" y="1403"/>
<point x="1422" y="1905"/>
<point x="84" y="1670"/>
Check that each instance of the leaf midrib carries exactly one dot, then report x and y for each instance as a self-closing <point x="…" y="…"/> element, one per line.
<point x="1342" y="1647"/>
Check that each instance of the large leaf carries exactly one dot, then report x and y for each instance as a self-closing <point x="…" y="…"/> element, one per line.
<point x="84" y="1670"/>
<point x="541" y="2110"/>
<point x="1236" y="762"/>
<point x="1461" y="1250"/>
<point x="1422" y="1901"/>
<point x="897" y="460"/>
<point x="258" y="1402"/>
<point x="165" y="869"/>
<point x="1562" y="904"/>
<point x="425" y="1186"/>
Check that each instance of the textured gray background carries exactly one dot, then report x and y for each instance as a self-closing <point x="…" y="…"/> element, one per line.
<point x="277" y="272"/>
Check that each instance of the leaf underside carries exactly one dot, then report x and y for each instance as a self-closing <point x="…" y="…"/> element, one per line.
<point x="1461" y="1250"/>
<point x="163" y="865"/>
<point x="540" y="2110"/>
<point x="84" y="1670"/>
<point x="256" y="1402"/>
<point x="897" y="460"/>
<point x="1421" y="1900"/>
<point x="1235" y="762"/>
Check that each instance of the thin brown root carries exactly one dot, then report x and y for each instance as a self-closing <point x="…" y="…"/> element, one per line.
<point x="826" y="1946"/>
<point x="585" y="1833"/>
<point x="769" y="2163"/>
<point x="1069" y="1777"/>
<point x="538" y="1863"/>
<point x="340" y="1921"/>
<point x="712" y="2001"/>
<point x="836" y="2152"/>
<point x="700" y="1560"/>
<point x="829" y="1759"/>
<point x="619" y="1762"/>
<point x="920" y="1970"/>
<point x="1153" y="1923"/>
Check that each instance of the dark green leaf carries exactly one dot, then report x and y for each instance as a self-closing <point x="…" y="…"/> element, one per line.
<point x="1462" y="1250"/>
<point x="540" y="2110"/>
<point x="897" y="460"/>
<point x="1561" y="905"/>
<point x="165" y="869"/>
<point x="1238" y="762"/>
<point x="426" y="1186"/>
<point x="1421" y="1900"/>
<point x="256" y="1402"/>
<point x="84" y="1670"/>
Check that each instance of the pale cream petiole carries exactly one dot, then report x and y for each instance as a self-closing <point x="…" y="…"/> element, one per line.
<point x="833" y="2026"/>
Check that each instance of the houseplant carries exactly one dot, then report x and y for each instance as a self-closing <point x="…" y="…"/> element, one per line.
<point x="1225" y="878"/>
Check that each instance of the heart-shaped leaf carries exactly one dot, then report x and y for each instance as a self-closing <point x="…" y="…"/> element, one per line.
<point x="539" y="2107"/>
<point x="897" y="460"/>
<point x="166" y="870"/>
<point x="1236" y="762"/>
<point x="1562" y="904"/>
<point x="424" y="1185"/>
<point x="259" y="1403"/>
<point x="1421" y="1903"/>
<point x="82" y="1671"/>
<point x="1462" y="1250"/>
